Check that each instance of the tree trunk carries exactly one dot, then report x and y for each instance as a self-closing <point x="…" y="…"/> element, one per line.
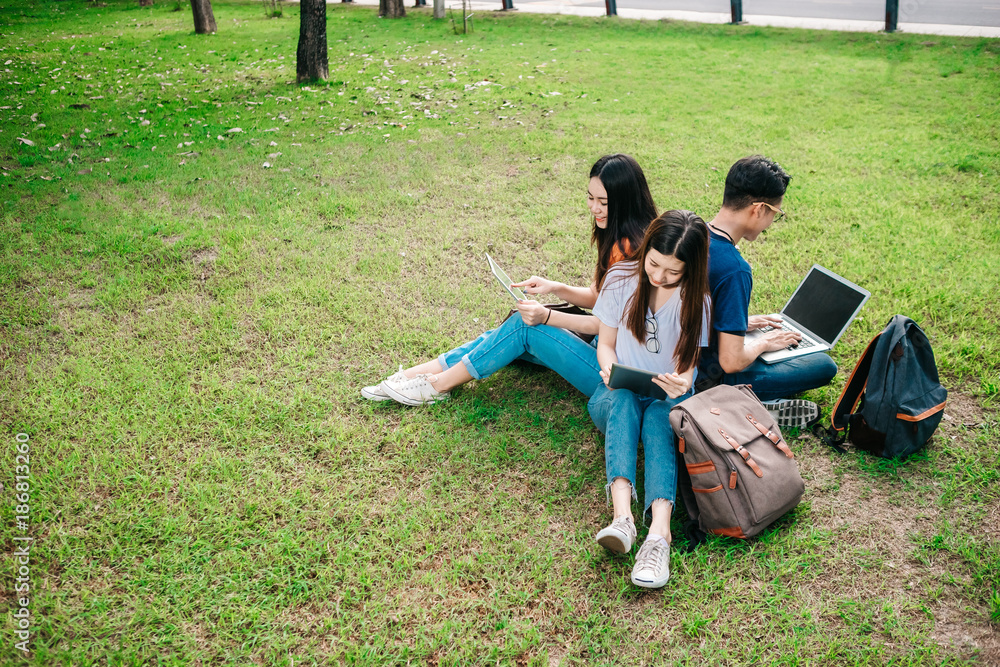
<point x="312" y="59"/>
<point x="391" y="9"/>
<point x="439" y="9"/>
<point x="204" y="18"/>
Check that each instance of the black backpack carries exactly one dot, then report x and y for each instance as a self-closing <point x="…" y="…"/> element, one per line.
<point x="893" y="401"/>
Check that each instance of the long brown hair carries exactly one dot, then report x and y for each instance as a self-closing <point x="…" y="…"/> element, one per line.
<point x="685" y="236"/>
<point x="630" y="208"/>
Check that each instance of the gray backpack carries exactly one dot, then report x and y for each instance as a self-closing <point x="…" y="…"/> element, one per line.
<point x="893" y="401"/>
<point x="739" y="475"/>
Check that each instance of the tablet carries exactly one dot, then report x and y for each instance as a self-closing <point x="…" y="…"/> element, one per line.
<point x="505" y="280"/>
<point x="635" y="379"/>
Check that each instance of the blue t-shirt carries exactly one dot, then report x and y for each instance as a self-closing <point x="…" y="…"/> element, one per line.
<point x="730" y="282"/>
<point x="619" y="286"/>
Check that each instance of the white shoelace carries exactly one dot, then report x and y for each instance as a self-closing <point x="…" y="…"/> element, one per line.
<point x="651" y="556"/>
<point x="622" y="523"/>
<point x="414" y="382"/>
<point x="421" y="384"/>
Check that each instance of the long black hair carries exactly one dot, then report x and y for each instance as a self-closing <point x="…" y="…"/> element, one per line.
<point x="630" y="209"/>
<point x="685" y="236"/>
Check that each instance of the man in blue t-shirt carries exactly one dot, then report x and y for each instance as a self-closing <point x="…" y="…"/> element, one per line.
<point x="755" y="187"/>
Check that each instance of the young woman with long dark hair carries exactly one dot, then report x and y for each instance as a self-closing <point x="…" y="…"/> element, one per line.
<point x="654" y="316"/>
<point x="622" y="206"/>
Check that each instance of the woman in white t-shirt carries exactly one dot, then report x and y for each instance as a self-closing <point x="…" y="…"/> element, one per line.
<point x="653" y="315"/>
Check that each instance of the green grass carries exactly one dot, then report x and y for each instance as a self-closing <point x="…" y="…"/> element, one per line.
<point x="183" y="334"/>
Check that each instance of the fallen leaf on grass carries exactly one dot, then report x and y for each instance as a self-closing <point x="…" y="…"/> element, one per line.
<point x="26" y="142"/>
<point x="266" y="165"/>
<point x="273" y="155"/>
<point x="84" y="172"/>
<point x="234" y="130"/>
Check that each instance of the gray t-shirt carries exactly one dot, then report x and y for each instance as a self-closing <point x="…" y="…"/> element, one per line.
<point x="619" y="285"/>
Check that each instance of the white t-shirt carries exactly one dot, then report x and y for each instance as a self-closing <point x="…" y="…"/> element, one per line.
<point x="618" y="288"/>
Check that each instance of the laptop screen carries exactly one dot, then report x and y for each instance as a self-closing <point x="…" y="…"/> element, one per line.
<point x="824" y="305"/>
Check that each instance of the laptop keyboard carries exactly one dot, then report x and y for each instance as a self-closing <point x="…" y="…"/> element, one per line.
<point x="805" y="343"/>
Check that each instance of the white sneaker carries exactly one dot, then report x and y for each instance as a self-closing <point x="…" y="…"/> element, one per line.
<point x="375" y="391"/>
<point x="793" y="412"/>
<point x="414" y="391"/>
<point x="652" y="565"/>
<point x="619" y="536"/>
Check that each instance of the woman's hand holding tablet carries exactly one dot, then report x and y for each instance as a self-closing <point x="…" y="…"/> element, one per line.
<point x="672" y="383"/>
<point x="645" y="383"/>
<point x="532" y="312"/>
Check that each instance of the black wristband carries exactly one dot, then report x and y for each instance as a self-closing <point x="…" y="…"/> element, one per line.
<point x="547" y="317"/>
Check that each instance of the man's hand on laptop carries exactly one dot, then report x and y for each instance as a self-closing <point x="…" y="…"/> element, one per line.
<point x="532" y="312"/>
<point x="779" y="339"/>
<point x="537" y="285"/>
<point x="755" y="322"/>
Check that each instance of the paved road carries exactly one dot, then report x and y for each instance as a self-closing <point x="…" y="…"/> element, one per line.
<point x="945" y="12"/>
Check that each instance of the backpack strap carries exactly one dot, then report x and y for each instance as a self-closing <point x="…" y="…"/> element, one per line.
<point x="742" y="452"/>
<point x="772" y="436"/>
<point x="848" y="401"/>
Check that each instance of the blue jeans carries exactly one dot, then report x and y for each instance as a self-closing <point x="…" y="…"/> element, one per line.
<point x="785" y="378"/>
<point x="551" y="347"/>
<point x="625" y="418"/>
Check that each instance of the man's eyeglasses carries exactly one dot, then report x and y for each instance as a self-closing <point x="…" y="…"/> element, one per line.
<point x="652" y="343"/>
<point x="779" y="214"/>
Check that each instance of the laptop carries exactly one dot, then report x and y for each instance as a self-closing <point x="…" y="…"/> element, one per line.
<point x="505" y="280"/>
<point x="821" y="309"/>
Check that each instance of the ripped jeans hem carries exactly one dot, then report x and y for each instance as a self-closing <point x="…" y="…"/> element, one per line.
<point x="607" y="490"/>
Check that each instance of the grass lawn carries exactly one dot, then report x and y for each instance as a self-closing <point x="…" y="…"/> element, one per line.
<point x="202" y="263"/>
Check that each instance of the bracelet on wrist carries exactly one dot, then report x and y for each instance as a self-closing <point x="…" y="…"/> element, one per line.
<point x="548" y="316"/>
